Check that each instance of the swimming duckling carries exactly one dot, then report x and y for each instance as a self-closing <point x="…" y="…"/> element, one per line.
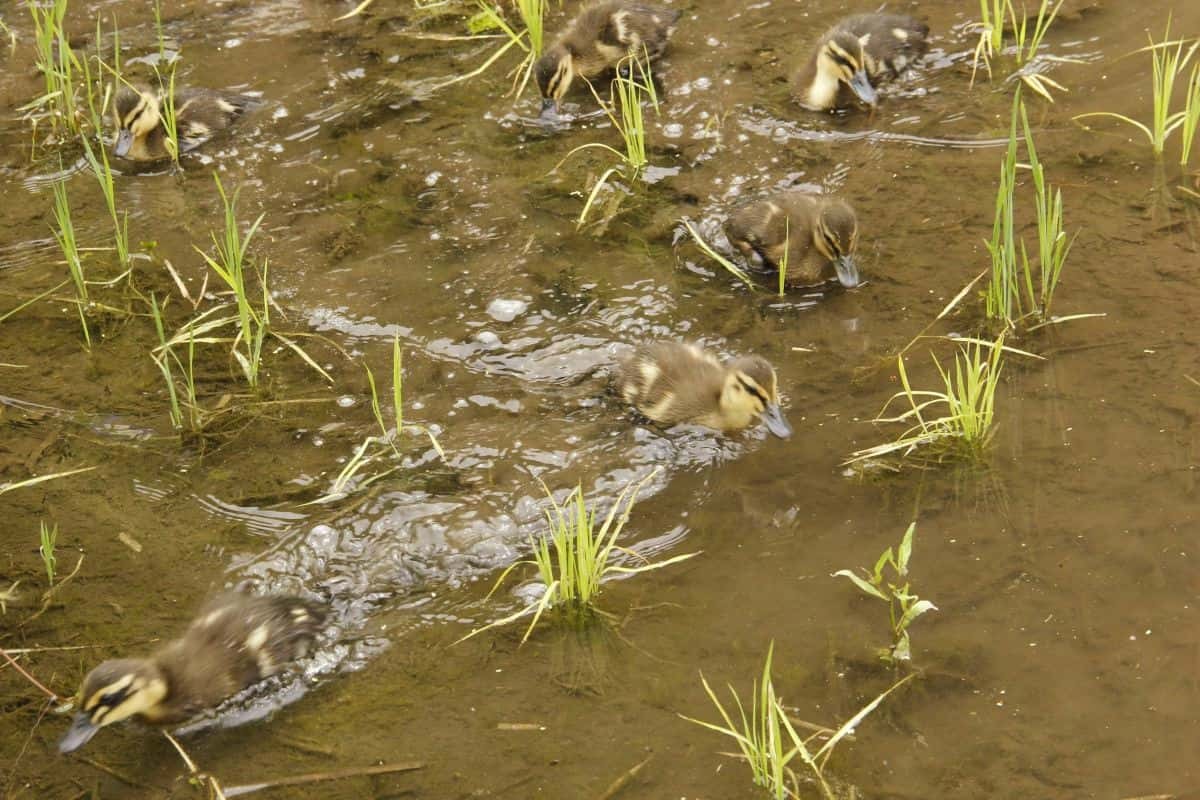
<point x="596" y="40"/>
<point x="819" y="234"/>
<point x="673" y="382"/>
<point x="856" y="55"/>
<point x="199" y="113"/>
<point x="236" y="640"/>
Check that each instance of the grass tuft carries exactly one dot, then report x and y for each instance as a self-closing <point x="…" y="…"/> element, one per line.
<point x="65" y="236"/>
<point x="966" y="424"/>
<point x="769" y="742"/>
<point x="577" y="556"/>
<point x="1026" y="41"/>
<point x="1168" y="61"/>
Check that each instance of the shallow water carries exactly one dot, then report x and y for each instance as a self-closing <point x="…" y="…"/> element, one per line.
<point x="1062" y="661"/>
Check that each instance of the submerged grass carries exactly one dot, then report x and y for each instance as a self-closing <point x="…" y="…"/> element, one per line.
<point x="577" y="556"/>
<point x="768" y="740"/>
<point x="903" y="606"/>
<point x="1169" y="62"/>
<point x="729" y="266"/>
<point x="48" y="537"/>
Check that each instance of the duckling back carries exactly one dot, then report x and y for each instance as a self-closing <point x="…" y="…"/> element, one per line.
<point x="890" y="42"/>
<point x="818" y="235"/>
<point x="236" y="640"/>
<point x="670" y="382"/>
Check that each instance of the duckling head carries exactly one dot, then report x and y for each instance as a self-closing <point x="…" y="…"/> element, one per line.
<point x="111" y="692"/>
<point x="751" y="391"/>
<point x="835" y="235"/>
<point x="137" y="116"/>
<point x="554" y="72"/>
<point x="842" y="57"/>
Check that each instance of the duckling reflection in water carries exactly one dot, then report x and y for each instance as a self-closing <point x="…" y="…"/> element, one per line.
<point x="673" y="382"/>
<point x="199" y="113"/>
<point x="237" y="640"/>
<point x="597" y="40"/>
<point x="855" y="56"/>
<point x="819" y="234"/>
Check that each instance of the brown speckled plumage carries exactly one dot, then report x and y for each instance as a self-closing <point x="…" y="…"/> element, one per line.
<point x="674" y="382"/>
<point x="882" y="45"/>
<point x="814" y="229"/>
<point x="199" y="113"/>
<point x="236" y="640"/>
<point x="598" y="38"/>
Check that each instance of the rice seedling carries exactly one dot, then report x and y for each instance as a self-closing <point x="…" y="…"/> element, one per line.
<point x="163" y="358"/>
<point x="577" y="556"/>
<point x="783" y="262"/>
<point x="170" y="120"/>
<point x="1026" y="41"/>
<point x="623" y="108"/>
<point x="382" y="447"/>
<point x="708" y="250"/>
<point x="58" y="65"/>
<point x="966" y="424"/>
<point x="230" y="267"/>
<point x="49" y="537"/>
<point x="768" y="741"/>
<point x="903" y="606"/>
<point x="104" y="176"/>
<point x="762" y="736"/>
<point x="65" y="236"/>
<point x="530" y="39"/>
<point x="1014" y="295"/>
<point x="1168" y="61"/>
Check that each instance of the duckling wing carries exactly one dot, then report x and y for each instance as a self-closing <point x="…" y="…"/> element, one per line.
<point x="631" y="26"/>
<point x="670" y="382"/>
<point x="239" y="639"/>
<point x="891" y="42"/>
<point x="200" y="113"/>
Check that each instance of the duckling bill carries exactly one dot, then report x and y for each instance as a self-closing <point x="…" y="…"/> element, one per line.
<point x="199" y="113"/>
<point x="855" y="56"/>
<point x="817" y="234"/>
<point x="237" y="640"/>
<point x="597" y="40"/>
<point x="673" y="382"/>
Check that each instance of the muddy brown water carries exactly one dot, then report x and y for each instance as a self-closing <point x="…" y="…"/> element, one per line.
<point x="1064" y="658"/>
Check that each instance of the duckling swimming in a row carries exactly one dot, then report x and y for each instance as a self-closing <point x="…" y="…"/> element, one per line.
<point x="855" y="56"/>
<point x="199" y="113"/>
<point x="237" y="640"/>
<point x="596" y="41"/>
<point x="673" y="382"/>
<point x="819" y="234"/>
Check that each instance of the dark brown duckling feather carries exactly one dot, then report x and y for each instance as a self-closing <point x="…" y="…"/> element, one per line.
<point x="236" y="640"/>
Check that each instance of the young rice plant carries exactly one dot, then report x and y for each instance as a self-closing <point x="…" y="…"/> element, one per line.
<point x="577" y="556"/>
<point x="1026" y="41"/>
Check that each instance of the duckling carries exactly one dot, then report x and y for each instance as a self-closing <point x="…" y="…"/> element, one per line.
<point x="199" y="113"/>
<point x="818" y="233"/>
<point x="674" y="382"/>
<point x="856" y="55"/>
<point x="237" y="640"/>
<point x="596" y="41"/>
